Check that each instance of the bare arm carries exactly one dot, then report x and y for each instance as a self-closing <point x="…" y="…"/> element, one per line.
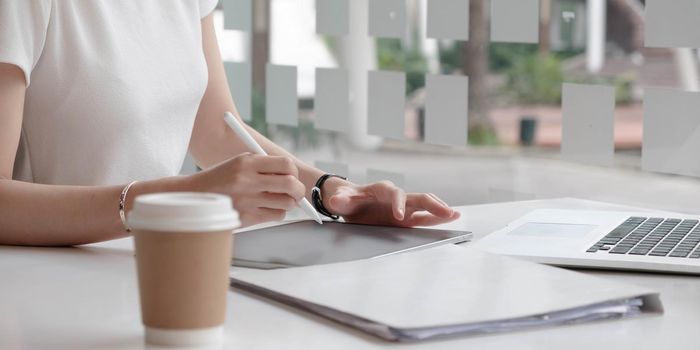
<point x="379" y="203"/>
<point x="213" y="141"/>
<point x="33" y="214"/>
<point x="264" y="188"/>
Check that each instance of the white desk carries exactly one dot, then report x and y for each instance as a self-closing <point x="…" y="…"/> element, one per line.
<point x="86" y="298"/>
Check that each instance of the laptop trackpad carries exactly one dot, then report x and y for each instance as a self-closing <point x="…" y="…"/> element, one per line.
<point x="543" y="229"/>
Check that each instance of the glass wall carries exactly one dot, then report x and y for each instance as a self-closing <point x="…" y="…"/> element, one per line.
<point x="479" y="101"/>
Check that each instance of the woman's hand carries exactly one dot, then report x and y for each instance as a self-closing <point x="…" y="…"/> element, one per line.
<point x="383" y="203"/>
<point x="263" y="188"/>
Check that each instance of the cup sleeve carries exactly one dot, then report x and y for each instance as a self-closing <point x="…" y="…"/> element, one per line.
<point x="23" y="26"/>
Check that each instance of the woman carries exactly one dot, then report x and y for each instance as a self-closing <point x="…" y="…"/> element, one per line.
<point x="97" y="94"/>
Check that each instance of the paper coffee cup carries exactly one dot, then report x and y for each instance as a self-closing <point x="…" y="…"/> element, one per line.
<point x="183" y="253"/>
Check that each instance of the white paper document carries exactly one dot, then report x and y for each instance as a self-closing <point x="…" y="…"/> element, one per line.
<point x="447" y="291"/>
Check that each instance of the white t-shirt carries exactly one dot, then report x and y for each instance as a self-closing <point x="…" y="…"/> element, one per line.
<point x="114" y="86"/>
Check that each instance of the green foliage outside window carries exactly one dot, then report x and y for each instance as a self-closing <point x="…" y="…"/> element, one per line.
<point x="535" y="79"/>
<point x="392" y="56"/>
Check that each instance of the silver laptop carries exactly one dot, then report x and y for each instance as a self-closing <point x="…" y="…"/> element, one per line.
<point x="602" y="239"/>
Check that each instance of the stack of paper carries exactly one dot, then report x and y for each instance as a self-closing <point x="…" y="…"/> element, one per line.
<point x="448" y="290"/>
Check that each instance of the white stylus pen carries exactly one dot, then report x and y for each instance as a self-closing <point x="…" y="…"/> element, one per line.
<point x="255" y="147"/>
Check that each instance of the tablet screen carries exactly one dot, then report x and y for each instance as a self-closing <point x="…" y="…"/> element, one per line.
<point x="308" y="243"/>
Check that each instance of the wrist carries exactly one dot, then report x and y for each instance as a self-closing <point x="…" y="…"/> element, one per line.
<point x="168" y="184"/>
<point x="331" y="187"/>
<point x="322" y="192"/>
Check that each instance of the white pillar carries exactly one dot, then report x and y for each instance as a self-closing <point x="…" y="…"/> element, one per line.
<point x="429" y="48"/>
<point x="359" y="57"/>
<point x="595" y="46"/>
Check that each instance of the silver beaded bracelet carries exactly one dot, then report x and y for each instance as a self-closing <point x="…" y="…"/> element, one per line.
<point x="122" y="205"/>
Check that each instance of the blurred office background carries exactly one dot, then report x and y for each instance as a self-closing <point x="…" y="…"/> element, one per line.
<point x="550" y="98"/>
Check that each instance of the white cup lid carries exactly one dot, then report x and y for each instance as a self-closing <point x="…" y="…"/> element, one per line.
<point x="183" y="212"/>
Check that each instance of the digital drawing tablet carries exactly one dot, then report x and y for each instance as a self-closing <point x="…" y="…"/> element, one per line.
<point x="306" y="243"/>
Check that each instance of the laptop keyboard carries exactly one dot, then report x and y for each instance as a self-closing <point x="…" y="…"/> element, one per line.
<point x="669" y="237"/>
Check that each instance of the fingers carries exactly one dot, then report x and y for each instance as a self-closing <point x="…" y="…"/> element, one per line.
<point x="264" y="207"/>
<point x="438" y="199"/>
<point x="278" y="175"/>
<point x="263" y="188"/>
<point x="387" y="192"/>
<point x="428" y="210"/>
<point x="267" y="214"/>
<point x="429" y="202"/>
<point x="262" y="215"/>
<point x="273" y="165"/>
<point x="398" y="203"/>
<point x="427" y="219"/>
<point x="276" y="201"/>
<point x="265" y="200"/>
<point x="284" y="184"/>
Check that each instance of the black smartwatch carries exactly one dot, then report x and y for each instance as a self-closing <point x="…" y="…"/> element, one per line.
<point x="316" y="195"/>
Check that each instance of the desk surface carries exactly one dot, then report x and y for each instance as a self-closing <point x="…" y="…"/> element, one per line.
<point x="86" y="298"/>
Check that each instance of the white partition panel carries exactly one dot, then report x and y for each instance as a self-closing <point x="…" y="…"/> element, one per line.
<point x="448" y="19"/>
<point x="386" y="104"/>
<point x="515" y="21"/>
<point x="446" y="110"/>
<point x="332" y="17"/>
<point x="671" y="132"/>
<point x="672" y="23"/>
<point x="588" y="123"/>
<point x="238" y="14"/>
<point x="332" y="102"/>
<point x="387" y="18"/>
<point x="282" y="103"/>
